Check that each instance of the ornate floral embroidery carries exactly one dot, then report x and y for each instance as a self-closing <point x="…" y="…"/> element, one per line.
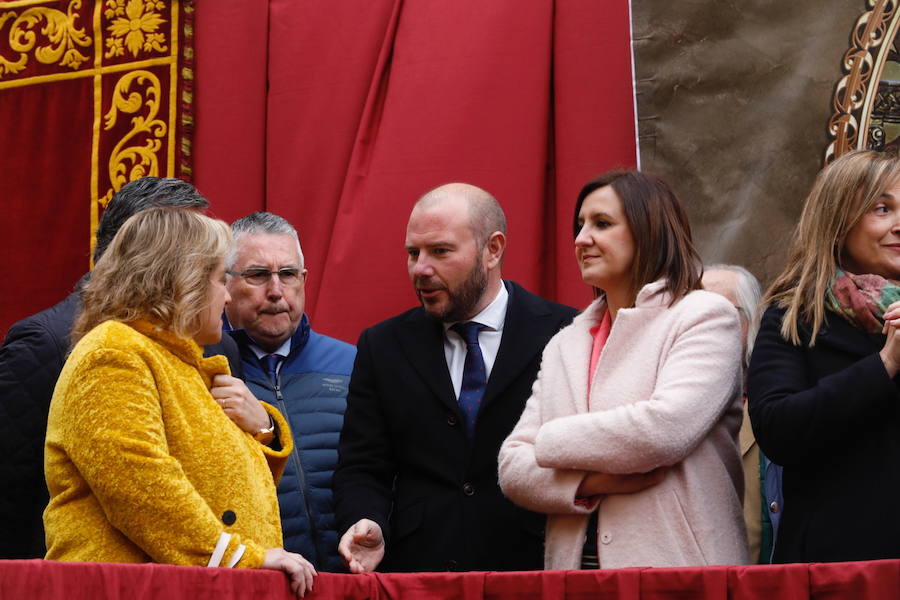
<point x="134" y="27"/>
<point x="137" y="93"/>
<point x="62" y="37"/>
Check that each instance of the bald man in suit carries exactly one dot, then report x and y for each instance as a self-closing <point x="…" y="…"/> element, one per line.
<point x="434" y="392"/>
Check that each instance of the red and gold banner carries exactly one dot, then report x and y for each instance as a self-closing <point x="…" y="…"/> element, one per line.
<point x="93" y="94"/>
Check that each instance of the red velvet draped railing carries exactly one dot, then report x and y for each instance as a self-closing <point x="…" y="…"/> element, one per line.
<point x="76" y="581"/>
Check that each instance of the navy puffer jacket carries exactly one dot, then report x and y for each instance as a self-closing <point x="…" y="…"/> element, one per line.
<point x="311" y="393"/>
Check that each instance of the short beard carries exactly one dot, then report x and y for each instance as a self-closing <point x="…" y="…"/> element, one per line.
<point x="461" y="302"/>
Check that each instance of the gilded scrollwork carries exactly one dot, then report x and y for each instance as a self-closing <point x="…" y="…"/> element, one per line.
<point x="61" y="37"/>
<point x="134" y="27"/>
<point x="858" y="64"/>
<point x="135" y="155"/>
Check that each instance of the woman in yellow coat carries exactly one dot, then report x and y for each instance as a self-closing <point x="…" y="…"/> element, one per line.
<point x="155" y="453"/>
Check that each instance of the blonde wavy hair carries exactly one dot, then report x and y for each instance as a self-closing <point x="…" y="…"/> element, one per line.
<point x="842" y="193"/>
<point x="158" y="268"/>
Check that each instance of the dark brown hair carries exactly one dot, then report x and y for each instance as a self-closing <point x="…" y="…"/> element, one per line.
<point x="660" y="228"/>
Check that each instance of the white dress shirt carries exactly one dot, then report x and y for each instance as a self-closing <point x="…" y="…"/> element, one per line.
<point x="493" y="317"/>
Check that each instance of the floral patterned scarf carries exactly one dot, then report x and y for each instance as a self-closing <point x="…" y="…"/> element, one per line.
<point x="862" y="299"/>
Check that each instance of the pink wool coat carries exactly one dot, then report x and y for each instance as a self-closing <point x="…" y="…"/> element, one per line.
<point x="666" y="392"/>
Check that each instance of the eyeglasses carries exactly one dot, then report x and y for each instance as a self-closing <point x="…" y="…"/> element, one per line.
<point x="287" y="275"/>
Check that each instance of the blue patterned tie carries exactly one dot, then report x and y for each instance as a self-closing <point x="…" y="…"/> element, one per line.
<point x="270" y="364"/>
<point x="474" y="379"/>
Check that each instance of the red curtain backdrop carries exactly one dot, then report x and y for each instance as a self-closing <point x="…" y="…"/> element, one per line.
<point x="92" y="95"/>
<point x="338" y="115"/>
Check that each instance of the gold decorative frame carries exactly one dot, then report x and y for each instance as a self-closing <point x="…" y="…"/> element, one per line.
<point x="863" y="63"/>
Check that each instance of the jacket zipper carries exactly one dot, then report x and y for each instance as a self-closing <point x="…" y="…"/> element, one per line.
<point x="301" y="477"/>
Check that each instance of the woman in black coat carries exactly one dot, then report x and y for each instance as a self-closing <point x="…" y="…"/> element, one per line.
<point x="822" y="381"/>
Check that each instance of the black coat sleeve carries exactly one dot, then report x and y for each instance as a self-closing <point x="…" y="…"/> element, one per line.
<point x="806" y="402"/>
<point x="31" y="359"/>
<point x="364" y="478"/>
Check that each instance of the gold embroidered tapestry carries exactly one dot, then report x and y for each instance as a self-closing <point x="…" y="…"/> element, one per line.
<point x="93" y="94"/>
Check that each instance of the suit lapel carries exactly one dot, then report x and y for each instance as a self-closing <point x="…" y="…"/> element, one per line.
<point x="422" y="340"/>
<point x="520" y="342"/>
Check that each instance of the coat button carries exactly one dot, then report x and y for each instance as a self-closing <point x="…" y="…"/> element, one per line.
<point x="468" y="489"/>
<point x="773" y="507"/>
<point x="452" y="565"/>
<point x="228" y="517"/>
<point x="451" y="420"/>
<point x="606" y="538"/>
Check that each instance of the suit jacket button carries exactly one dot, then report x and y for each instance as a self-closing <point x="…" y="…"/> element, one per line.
<point x="451" y="420"/>
<point x="773" y="507"/>
<point x="452" y="565"/>
<point x="468" y="489"/>
<point x="228" y="517"/>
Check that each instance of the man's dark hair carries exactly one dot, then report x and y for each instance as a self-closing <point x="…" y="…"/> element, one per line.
<point x="139" y="195"/>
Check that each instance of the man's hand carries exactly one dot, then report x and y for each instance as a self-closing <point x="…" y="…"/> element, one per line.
<point x="299" y="570"/>
<point x="239" y="403"/>
<point x="362" y="546"/>
<point x="597" y="483"/>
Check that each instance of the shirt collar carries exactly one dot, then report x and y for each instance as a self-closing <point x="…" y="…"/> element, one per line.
<point x="494" y="314"/>
<point x="282" y="350"/>
<point x="297" y="341"/>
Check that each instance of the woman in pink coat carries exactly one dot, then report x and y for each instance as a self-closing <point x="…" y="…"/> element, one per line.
<point x="629" y="440"/>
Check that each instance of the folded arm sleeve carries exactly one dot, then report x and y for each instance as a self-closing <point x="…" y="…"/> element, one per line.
<point x="696" y="382"/>
<point x="531" y="486"/>
<point x="114" y="435"/>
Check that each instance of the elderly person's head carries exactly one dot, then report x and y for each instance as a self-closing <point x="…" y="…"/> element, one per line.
<point x="741" y="288"/>
<point x="165" y="265"/>
<point x="849" y="223"/>
<point x="267" y="279"/>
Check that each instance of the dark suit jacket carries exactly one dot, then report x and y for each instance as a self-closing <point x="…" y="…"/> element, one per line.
<point x="829" y="414"/>
<point x="405" y="461"/>
<point x="31" y="358"/>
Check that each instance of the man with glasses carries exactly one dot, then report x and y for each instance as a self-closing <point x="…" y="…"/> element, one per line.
<point x="302" y="373"/>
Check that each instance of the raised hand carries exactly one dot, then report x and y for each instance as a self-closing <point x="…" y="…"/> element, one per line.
<point x="239" y="403"/>
<point x="362" y="546"/>
<point x="890" y="354"/>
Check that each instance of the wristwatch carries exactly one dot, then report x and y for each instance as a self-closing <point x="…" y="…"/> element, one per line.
<point x="265" y="432"/>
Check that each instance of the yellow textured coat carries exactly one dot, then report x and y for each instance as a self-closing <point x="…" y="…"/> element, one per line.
<point x="143" y="465"/>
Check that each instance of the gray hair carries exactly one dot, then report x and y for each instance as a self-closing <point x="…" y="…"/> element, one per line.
<point x="749" y="297"/>
<point x="262" y="223"/>
<point x="140" y="195"/>
<point x="485" y="214"/>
